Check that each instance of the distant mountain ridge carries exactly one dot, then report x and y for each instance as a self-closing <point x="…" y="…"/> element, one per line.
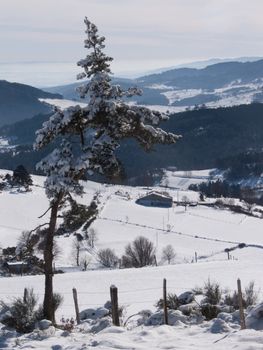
<point x="19" y="102"/>
<point x="211" y="77"/>
<point x="217" y="85"/>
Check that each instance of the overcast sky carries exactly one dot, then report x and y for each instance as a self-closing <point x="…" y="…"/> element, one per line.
<point x="140" y="34"/>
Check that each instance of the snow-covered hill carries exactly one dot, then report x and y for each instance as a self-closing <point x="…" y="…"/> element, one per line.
<point x="202" y="229"/>
<point x="198" y="228"/>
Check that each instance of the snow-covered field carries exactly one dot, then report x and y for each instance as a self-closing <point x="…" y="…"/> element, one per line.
<point x="233" y="94"/>
<point x="204" y="230"/>
<point x="62" y="103"/>
<point x="183" y="179"/>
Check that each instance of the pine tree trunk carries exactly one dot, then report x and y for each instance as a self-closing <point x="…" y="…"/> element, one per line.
<point x="48" y="306"/>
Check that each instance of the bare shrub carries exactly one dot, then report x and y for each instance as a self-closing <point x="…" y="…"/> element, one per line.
<point x="85" y="261"/>
<point x="209" y="311"/>
<point x="232" y="300"/>
<point x="249" y="297"/>
<point x="197" y="290"/>
<point x="168" y="253"/>
<point x="57" y="300"/>
<point x="26" y="244"/>
<point x="107" y="257"/>
<point x="172" y="302"/>
<point x="139" y="253"/>
<point x="213" y="292"/>
<point x="185" y="201"/>
<point x="21" y="314"/>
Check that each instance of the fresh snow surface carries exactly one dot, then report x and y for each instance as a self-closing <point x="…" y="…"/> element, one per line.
<point x="62" y="104"/>
<point x="183" y="179"/>
<point x="226" y="96"/>
<point x="178" y="95"/>
<point x="200" y="229"/>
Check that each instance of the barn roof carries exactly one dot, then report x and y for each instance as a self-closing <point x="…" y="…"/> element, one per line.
<point x="157" y="194"/>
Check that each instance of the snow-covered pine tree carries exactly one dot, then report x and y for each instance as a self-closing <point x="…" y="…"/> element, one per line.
<point x="100" y="126"/>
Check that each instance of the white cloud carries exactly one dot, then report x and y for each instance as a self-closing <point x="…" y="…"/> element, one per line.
<point x="135" y="30"/>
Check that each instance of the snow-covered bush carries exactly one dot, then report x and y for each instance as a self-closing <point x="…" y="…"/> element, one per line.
<point x="94" y="314"/>
<point x="219" y="326"/>
<point x="174" y="317"/>
<point x="254" y="319"/>
<point x="186" y="298"/>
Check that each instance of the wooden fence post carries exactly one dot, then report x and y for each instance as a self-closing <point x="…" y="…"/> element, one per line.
<point x="196" y="257"/>
<point x="114" y="305"/>
<point x="75" y="297"/>
<point x="240" y="302"/>
<point x="165" y="314"/>
<point x="25" y="297"/>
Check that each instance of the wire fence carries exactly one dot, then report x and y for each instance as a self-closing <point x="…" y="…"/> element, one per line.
<point x="131" y="294"/>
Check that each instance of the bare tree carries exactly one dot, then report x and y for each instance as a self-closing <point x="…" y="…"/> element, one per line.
<point x="168" y="253"/>
<point x="76" y="248"/>
<point x="85" y="261"/>
<point x="92" y="237"/>
<point x="185" y="201"/>
<point x="107" y="257"/>
<point x="26" y="244"/>
<point x="139" y="253"/>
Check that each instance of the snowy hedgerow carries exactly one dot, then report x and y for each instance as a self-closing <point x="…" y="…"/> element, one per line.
<point x="90" y="136"/>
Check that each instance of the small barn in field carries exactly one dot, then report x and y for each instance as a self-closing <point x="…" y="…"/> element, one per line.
<point x="17" y="267"/>
<point x="156" y="199"/>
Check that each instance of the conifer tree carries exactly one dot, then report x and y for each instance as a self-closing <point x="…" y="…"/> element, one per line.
<point x="99" y="127"/>
<point x="21" y="177"/>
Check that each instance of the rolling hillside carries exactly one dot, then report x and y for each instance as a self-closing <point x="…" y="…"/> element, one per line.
<point x="208" y="135"/>
<point x="19" y="102"/>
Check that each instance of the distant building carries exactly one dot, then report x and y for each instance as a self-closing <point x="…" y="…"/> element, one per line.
<point x="156" y="199"/>
<point x="17" y="267"/>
